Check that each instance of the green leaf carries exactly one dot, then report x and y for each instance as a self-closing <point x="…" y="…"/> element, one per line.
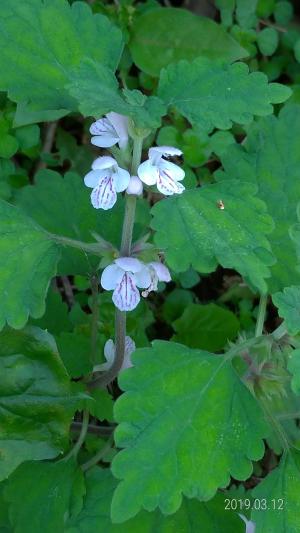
<point x="62" y="206"/>
<point x="283" y="12"/>
<point x="36" y="399"/>
<point x="267" y="41"/>
<point x="45" y="505"/>
<point x="270" y="158"/>
<point x="187" y="423"/>
<point x="288" y="303"/>
<point x="175" y="303"/>
<point x="167" y="35"/>
<point x="28" y="262"/>
<point x="212" y="94"/>
<point x="208" y="327"/>
<point x="203" y="235"/>
<point x="102" y="407"/>
<point x="280" y="489"/>
<point x="27" y="136"/>
<point x="95" y="515"/>
<point x="75" y="351"/>
<point x="245" y="13"/>
<point x="37" y="63"/>
<point x="96" y="90"/>
<point x="79" y="157"/>
<point x="55" y="318"/>
<point x="294" y="369"/>
<point x="8" y="146"/>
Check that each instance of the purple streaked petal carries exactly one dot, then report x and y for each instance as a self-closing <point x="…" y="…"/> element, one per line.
<point x="148" y="172"/>
<point x="104" y="196"/>
<point x="161" y="270"/>
<point x="129" y="264"/>
<point x="101" y="127"/>
<point x="91" y="179"/>
<point x="175" y="171"/>
<point x="126" y="296"/>
<point x="104" y="162"/>
<point x="110" y="277"/>
<point x="167" y="185"/>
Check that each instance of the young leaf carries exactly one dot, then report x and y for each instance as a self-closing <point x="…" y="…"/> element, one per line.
<point x="294" y="369"/>
<point x="28" y="262"/>
<point x="187" y="423"/>
<point x="288" y="303"/>
<point x="36" y="62"/>
<point x="36" y="399"/>
<point x="214" y="95"/>
<point x="271" y="159"/>
<point x="203" y="235"/>
<point x="95" y="515"/>
<point x="208" y="327"/>
<point x="45" y="506"/>
<point x="280" y="489"/>
<point x="167" y="35"/>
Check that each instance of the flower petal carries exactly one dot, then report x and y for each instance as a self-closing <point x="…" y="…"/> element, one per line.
<point x="143" y="278"/>
<point x="126" y="296"/>
<point x="111" y="276"/>
<point x="120" y="124"/>
<point x="109" y="351"/>
<point x="103" y="162"/>
<point x="129" y="349"/>
<point x="157" y="152"/>
<point x="161" y="270"/>
<point x="122" y="179"/>
<point x="148" y="173"/>
<point x="167" y="185"/>
<point x="104" y="196"/>
<point x="175" y="171"/>
<point x="102" y="126"/>
<point x="91" y="179"/>
<point x="104" y="141"/>
<point x="129" y="264"/>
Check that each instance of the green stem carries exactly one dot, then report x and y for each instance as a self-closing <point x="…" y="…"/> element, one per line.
<point x="279" y="332"/>
<point x="84" y="428"/>
<point x="95" y="248"/>
<point x="98" y="456"/>
<point x="261" y="315"/>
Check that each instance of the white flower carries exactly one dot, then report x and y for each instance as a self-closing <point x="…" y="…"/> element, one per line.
<point x="163" y="173"/>
<point x="106" y="179"/>
<point x="110" y="351"/>
<point x="158" y="272"/>
<point x="123" y="277"/>
<point x="110" y="130"/>
<point x="135" y="186"/>
<point x="250" y="526"/>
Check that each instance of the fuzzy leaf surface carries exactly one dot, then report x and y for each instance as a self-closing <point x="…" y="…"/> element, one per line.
<point x="187" y="423"/>
<point x="202" y="235"/>
<point x="212" y="94"/>
<point x="282" y="487"/>
<point x="288" y="303"/>
<point x="37" y="62"/>
<point x="28" y="262"/>
<point x="271" y="159"/>
<point x="163" y="36"/>
<point x="36" y="399"/>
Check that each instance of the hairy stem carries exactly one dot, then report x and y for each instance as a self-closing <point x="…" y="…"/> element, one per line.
<point x="99" y="455"/>
<point x="261" y="315"/>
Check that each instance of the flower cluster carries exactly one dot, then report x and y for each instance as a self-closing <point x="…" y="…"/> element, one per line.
<point x="106" y="177"/>
<point x="126" y="275"/>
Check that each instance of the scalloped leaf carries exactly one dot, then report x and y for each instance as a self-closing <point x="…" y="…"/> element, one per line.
<point x="28" y="260"/>
<point x="212" y="94"/>
<point x="187" y="423"/>
<point x="270" y="157"/>
<point x="95" y="515"/>
<point x="36" y="400"/>
<point x="202" y="235"/>
<point x="37" y="63"/>
<point x="288" y="303"/>
<point x="280" y="489"/>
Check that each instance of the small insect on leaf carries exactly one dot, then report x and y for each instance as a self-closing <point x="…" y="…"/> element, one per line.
<point x="220" y="204"/>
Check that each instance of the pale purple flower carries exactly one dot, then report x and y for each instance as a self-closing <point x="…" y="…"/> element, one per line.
<point x="163" y="173"/>
<point x="250" y="526"/>
<point x="158" y="272"/>
<point x="110" y="352"/>
<point x="106" y="179"/>
<point x="110" y="130"/>
<point x="124" y="276"/>
<point x="135" y="186"/>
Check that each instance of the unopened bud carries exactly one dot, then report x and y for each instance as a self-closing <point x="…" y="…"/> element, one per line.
<point x="135" y="186"/>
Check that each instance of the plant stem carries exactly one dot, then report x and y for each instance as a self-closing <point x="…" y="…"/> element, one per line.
<point x="95" y="248"/>
<point x="99" y="455"/>
<point x="261" y="315"/>
<point x="84" y="428"/>
<point x="103" y="431"/>
<point x="279" y="332"/>
<point x="95" y="318"/>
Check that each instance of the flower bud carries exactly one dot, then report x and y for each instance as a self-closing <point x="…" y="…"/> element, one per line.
<point x="135" y="186"/>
